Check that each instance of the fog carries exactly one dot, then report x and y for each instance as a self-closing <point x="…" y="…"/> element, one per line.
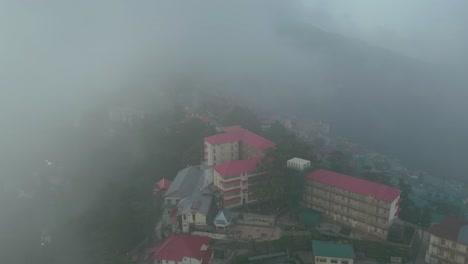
<point x="389" y="74"/>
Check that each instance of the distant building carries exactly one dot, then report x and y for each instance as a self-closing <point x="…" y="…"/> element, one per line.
<point x="126" y="115"/>
<point x="182" y="249"/>
<point x="298" y="164"/>
<point x="328" y="252"/>
<point x="281" y="257"/>
<point x="367" y="206"/>
<point x="448" y="242"/>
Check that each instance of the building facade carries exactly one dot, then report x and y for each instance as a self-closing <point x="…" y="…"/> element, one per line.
<point x="448" y="242"/>
<point x="332" y="253"/>
<point x="235" y="181"/>
<point x="234" y="156"/>
<point x="363" y="205"/>
<point x="236" y="144"/>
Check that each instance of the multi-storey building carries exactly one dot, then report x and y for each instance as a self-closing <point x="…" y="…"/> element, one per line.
<point x="182" y="249"/>
<point x="298" y="164"/>
<point x="233" y="180"/>
<point x="236" y="144"/>
<point x="363" y="205"/>
<point x="234" y="156"/>
<point x="448" y="242"/>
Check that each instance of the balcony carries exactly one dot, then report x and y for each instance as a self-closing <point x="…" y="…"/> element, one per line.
<point x="345" y="211"/>
<point x="230" y="185"/>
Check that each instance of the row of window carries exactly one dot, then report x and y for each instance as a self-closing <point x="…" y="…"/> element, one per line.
<point x="452" y="244"/>
<point x="333" y="261"/>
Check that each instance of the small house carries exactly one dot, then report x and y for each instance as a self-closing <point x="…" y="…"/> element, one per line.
<point x="332" y="253"/>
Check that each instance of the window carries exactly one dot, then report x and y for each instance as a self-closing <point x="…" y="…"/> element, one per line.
<point x="452" y="256"/>
<point x="334" y="261"/>
<point x="454" y="244"/>
<point x="344" y="262"/>
<point x="442" y="241"/>
<point x="466" y="260"/>
<point x="193" y="217"/>
<point x="440" y="252"/>
<point x="185" y="217"/>
<point x="321" y="260"/>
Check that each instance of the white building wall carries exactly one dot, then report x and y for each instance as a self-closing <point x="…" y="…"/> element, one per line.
<point x="190" y="261"/>
<point x="393" y="209"/>
<point x="221" y="153"/>
<point x="326" y="260"/>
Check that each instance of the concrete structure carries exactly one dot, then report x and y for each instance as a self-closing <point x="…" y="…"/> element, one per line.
<point x="234" y="156"/>
<point x="189" y="198"/>
<point x="333" y="253"/>
<point x="363" y="205"/>
<point x="182" y="249"/>
<point x="236" y="144"/>
<point x="298" y="164"/>
<point x="448" y="242"/>
<point x="235" y="179"/>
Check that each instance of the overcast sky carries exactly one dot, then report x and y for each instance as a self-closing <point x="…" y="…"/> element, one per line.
<point x="57" y="56"/>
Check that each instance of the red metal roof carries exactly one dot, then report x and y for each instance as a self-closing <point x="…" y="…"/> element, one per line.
<point x="164" y="183"/>
<point x="356" y="185"/>
<point x="448" y="229"/>
<point x="178" y="246"/>
<point x="241" y="134"/>
<point x="236" y="167"/>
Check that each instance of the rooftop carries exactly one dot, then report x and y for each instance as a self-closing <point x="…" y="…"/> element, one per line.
<point x="299" y="161"/>
<point x="356" y="185"/>
<point x="189" y="178"/>
<point x="452" y="229"/>
<point x="178" y="246"/>
<point x="334" y="250"/>
<point x="236" y="133"/>
<point x="236" y="167"/>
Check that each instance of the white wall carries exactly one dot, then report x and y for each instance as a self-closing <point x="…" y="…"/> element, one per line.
<point x="393" y="209"/>
<point x="328" y="260"/>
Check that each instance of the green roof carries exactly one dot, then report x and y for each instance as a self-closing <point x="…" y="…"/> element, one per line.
<point x="333" y="250"/>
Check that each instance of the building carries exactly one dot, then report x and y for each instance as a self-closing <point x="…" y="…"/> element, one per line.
<point x="448" y="242"/>
<point x="234" y="156"/>
<point x="161" y="186"/>
<point x="182" y="249"/>
<point x="236" y="144"/>
<point x="223" y="220"/>
<point x="189" y="198"/>
<point x="298" y="164"/>
<point x="328" y="252"/>
<point x="363" y="205"/>
<point x="235" y="180"/>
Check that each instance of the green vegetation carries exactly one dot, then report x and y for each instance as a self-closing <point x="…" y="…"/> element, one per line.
<point x="409" y="211"/>
<point x="274" y="163"/>
<point x="109" y="206"/>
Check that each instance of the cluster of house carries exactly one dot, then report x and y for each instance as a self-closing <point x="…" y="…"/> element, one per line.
<point x="201" y="195"/>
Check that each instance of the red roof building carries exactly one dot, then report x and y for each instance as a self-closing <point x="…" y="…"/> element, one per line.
<point x="161" y="186"/>
<point x="364" y="205"/>
<point x="235" y="155"/>
<point x="355" y="185"/>
<point x="236" y="167"/>
<point x="448" y="241"/>
<point x="178" y="248"/>
<point x="236" y="144"/>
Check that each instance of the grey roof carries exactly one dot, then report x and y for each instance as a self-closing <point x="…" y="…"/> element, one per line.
<point x="190" y="177"/>
<point x="193" y="183"/>
<point x="223" y="215"/>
